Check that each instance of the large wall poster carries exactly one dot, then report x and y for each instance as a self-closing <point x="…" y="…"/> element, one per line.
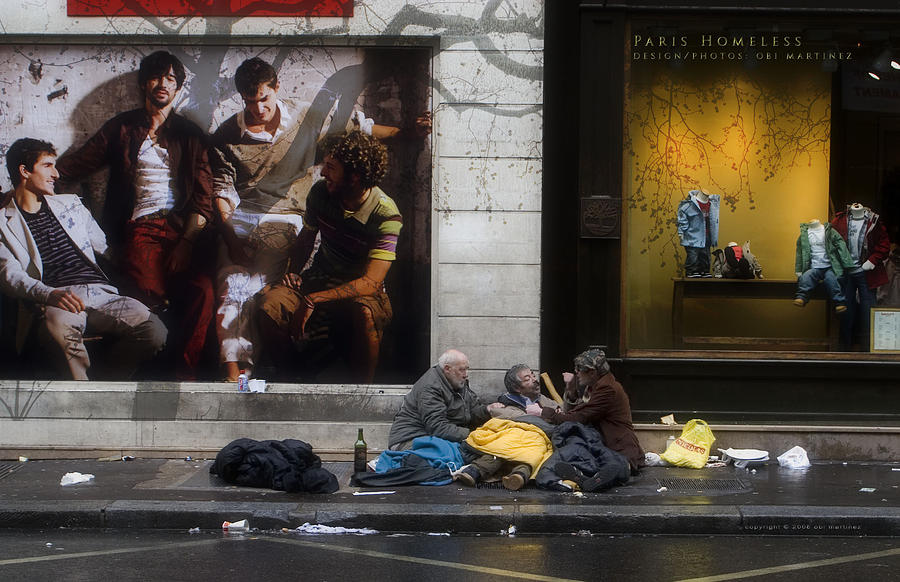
<point x="64" y="93"/>
<point x="168" y="8"/>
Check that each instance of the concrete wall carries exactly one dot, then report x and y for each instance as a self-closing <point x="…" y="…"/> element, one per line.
<point x="171" y="420"/>
<point x="487" y="147"/>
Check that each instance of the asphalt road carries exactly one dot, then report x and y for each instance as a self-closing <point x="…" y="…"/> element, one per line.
<point x="123" y="555"/>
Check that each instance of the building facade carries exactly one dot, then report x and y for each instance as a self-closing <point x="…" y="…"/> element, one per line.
<point x="783" y="115"/>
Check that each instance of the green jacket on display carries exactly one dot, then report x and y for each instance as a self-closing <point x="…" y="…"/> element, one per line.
<point x="835" y="249"/>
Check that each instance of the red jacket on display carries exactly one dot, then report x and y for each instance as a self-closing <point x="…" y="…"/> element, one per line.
<point x="876" y="248"/>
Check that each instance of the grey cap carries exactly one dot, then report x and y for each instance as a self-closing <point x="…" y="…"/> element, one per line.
<point x="592" y="360"/>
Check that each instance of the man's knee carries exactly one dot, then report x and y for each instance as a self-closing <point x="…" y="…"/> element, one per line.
<point x="62" y="326"/>
<point x="152" y="333"/>
<point x="279" y="304"/>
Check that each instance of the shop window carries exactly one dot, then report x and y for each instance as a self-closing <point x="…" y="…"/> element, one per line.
<point x="736" y="148"/>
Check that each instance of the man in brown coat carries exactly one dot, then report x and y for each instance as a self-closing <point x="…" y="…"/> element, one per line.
<point x="593" y="396"/>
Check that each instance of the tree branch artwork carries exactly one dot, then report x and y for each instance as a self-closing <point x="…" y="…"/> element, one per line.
<point x="734" y="135"/>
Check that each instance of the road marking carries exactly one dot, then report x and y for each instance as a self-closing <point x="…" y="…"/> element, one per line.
<point x="799" y="566"/>
<point x="96" y="553"/>
<point x="423" y="561"/>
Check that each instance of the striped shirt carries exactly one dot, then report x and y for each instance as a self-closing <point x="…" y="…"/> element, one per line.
<point x="350" y="239"/>
<point x="63" y="264"/>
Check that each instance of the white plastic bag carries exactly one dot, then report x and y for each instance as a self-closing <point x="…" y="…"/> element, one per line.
<point x="74" y="478"/>
<point x="794" y="458"/>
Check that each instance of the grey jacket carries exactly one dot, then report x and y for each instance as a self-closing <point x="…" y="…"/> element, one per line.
<point x="21" y="269"/>
<point x="434" y="408"/>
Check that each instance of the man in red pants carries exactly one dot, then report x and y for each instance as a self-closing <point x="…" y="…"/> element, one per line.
<point x="158" y="202"/>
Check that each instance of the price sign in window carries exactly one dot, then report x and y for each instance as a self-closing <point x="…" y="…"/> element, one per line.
<point x="885" y="330"/>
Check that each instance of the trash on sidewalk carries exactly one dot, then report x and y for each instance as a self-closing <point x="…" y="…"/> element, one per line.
<point x="744" y="458"/>
<point x="236" y="526"/>
<point x="668" y="419"/>
<point x="653" y="460"/>
<point x="23" y="459"/>
<point x="194" y="530"/>
<point x="794" y="458"/>
<point x="257" y="385"/>
<point x="510" y="531"/>
<point x="308" y="528"/>
<point x="373" y="492"/>
<point x="867" y="490"/>
<point x="662" y="489"/>
<point x="116" y="458"/>
<point x="74" y="478"/>
<point x="691" y="449"/>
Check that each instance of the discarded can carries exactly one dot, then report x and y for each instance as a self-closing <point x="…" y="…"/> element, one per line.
<point x="242" y="525"/>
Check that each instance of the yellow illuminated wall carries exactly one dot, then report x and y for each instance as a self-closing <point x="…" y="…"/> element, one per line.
<point x="757" y="137"/>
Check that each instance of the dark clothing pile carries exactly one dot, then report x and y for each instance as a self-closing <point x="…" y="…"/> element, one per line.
<point x="581" y="446"/>
<point x="429" y="461"/>
<point x="289" y="465"/>
<point x="411" y="470"/>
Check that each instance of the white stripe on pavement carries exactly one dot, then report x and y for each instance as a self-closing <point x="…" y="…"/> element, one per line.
<point x="423" y="561"/>
<point x="798" y="566"/>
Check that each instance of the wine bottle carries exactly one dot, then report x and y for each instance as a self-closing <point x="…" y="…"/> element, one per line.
<point x="360" y="452"/>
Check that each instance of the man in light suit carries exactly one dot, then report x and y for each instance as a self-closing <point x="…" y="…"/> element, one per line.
<point x="47" y="261"/>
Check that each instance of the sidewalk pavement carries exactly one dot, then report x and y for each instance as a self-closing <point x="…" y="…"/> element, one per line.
<point x="829" y="498"/>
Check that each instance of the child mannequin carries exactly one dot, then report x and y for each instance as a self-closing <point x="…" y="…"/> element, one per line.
<point x="698" y="230"/>
<point x="868" y="243"/>
<point x="821" y="258"/>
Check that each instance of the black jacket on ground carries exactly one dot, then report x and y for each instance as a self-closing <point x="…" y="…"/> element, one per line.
<point x="289" y="465"/>
<point x="582" y="446"/>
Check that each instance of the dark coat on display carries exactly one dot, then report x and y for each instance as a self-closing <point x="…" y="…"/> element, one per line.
<point x="876" y="248"/>
<point x="289" y="465"/>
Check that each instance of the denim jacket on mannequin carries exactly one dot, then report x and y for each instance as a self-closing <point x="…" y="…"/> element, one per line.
<point x="691" y="224"/>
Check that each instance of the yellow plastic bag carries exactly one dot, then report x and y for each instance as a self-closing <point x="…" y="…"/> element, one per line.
<point x="691" y="449"/>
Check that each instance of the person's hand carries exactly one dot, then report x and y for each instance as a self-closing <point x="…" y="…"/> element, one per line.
<point x="180" y="258"/>
<point x="533" y="409"/>
<point x="422" y="127"/>
<point x="494" y="405"/>
<point x="66" y="300"/>
<point x="567" y="377"/>
<point x="292" y="281"/>
<point x="301" y="317"/>
<point x="868" y="266"/>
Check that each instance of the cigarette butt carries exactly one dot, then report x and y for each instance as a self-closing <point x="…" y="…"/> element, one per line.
<point x="550" y="388"/>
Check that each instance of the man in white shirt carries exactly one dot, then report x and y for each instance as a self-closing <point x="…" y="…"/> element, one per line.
<point x="158" y="201"/>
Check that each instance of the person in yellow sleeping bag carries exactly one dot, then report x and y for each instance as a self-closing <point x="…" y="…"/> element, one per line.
<point x="500" y="444"/>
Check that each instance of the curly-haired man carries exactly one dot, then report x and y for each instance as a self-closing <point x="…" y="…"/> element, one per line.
<point x="339" y="302"/>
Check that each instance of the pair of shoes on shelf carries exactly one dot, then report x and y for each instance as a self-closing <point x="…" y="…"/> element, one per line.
<point x="514" y="481"/>
<point x="467" y="475"/>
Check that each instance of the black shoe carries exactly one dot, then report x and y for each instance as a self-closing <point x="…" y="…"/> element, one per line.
<point x="569" y="472"/>
<point x="469" y="475"/>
